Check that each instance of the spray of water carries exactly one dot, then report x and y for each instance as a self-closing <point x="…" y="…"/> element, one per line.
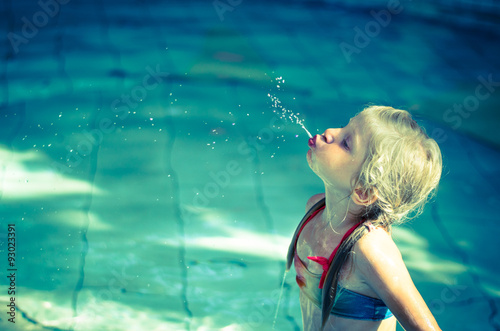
<point x="279" y="300"/>
<point x="283" y="112"/>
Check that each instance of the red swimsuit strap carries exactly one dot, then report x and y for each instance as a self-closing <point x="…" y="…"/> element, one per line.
<point x="326" y="263"/>
<point x="347" y="234"/>
<point x="307" y="217"/>
<point x="307" y="221"/>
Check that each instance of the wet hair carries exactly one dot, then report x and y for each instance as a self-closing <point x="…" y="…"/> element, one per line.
<point x="402" y="167"/>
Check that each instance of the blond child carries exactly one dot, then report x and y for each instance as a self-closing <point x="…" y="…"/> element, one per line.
<point x="377" y="171"/>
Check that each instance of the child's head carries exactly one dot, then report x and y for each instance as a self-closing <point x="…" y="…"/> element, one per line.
<point x="385" y="163"/>
<point x="402" y="165"/>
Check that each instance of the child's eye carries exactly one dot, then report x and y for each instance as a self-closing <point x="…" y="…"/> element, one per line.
<point x="344" y="143"/>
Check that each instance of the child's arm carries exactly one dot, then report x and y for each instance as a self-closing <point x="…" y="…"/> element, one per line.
<point x="383" y="269"/>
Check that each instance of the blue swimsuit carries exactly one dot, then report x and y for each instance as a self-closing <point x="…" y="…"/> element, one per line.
<point x="348" y="304"/>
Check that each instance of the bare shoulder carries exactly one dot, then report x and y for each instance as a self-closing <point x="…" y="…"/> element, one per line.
<point x="313" y="200"/>
<point x="376" y="248"/>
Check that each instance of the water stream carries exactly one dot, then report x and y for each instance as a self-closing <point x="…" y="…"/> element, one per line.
<point x="283" y="112"/>
<point x="279" y="300"/>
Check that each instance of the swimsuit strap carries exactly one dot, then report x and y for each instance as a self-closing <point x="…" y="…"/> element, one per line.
<point x="307" y="217"/>
<point x="326" y="263"/>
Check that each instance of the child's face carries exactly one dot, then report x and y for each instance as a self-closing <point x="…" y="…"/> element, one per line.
<point x="337" y="155"/>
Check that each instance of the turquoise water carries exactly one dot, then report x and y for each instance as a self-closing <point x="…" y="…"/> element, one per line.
<point x="152" y="186"/>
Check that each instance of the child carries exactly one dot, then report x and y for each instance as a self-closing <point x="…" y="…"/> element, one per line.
<point x="376" y="170"/>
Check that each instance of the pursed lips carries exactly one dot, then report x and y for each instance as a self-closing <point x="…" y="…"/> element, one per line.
<point x="314" y="140"/>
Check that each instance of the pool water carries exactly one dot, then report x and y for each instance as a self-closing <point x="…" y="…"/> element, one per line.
<point x="152" y="185"/>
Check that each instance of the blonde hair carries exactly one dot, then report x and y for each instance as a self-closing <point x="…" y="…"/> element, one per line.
<point x="402" y="168"/>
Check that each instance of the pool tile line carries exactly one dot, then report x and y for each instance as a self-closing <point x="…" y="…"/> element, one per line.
<point x="466" y="262"/>
<point x="104" y="24"/>
<point x="268" y="219"/>
<point x="87" y="204"/>
<point x="233" y="85"/>
<point x="59" y="54"/>
<point x="61" y="61"/>
<point x="33" y="321"/>
<point x="171" y="172"/>
<point x="175" y="189"/>
<point x="18" y="112"/>
<point x="287" y="298"/>
<point x="490" y="179"/>
<point x="259" y="195"/>
<point x="59" y="50"/>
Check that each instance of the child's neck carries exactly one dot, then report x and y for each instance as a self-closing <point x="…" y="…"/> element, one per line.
<point x="339" y="209"/>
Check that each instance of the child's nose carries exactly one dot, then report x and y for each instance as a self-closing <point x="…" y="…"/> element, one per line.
<point x="330" y="135"/>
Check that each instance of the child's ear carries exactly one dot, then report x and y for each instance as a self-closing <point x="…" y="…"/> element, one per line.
<point x="364" y="197"/>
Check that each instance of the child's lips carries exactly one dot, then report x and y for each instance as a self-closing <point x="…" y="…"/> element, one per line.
<point x="311" y="143"/>
<point x="313" y="140"/>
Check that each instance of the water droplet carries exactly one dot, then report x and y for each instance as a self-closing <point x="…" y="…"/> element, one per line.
<point x="286" y="113"/>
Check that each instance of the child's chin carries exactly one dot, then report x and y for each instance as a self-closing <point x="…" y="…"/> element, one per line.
<point x="309" y="158"/>
<point x="311" y="163"/>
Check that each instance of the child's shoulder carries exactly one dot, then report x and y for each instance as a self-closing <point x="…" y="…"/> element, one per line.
<point x="375" y="246"/>
<point x="313" y="200"/>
